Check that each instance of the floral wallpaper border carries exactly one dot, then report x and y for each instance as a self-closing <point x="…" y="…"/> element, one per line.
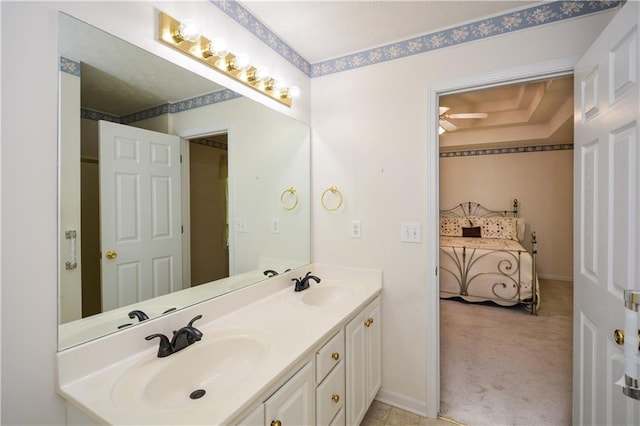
<point x="502" y="24"/>
<point x="73" y="67"/>
<point x="507" y="150"/>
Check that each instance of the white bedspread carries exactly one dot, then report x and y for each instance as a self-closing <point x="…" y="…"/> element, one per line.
<point x="481" y="269"/>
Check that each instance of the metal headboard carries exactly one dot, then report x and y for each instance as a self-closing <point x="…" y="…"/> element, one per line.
<point x="471" y="208"/>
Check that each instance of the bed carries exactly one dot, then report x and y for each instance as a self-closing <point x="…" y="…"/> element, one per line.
<point x="482" y="257"/>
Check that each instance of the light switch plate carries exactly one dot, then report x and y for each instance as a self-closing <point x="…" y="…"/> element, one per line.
<point x="356" y="229"/>
<point x="241" y="225"/>
<point x="411" y="233"/>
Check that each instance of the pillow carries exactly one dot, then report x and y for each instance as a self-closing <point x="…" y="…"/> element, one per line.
<point x="471" y="231"/>
<point x="452" y="226"/>
<point x="496" y="227"/>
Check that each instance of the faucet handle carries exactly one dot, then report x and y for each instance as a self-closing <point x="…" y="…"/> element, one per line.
<point x="165" y="348"/>
<point x="138" y="314"/>
<point x="196" y="318"/>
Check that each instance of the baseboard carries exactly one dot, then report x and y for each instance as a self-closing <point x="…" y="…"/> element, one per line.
<point x="555" y="277"/>
<point x="403" y="402"/>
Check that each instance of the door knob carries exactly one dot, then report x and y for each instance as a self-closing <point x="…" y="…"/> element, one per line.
<point x="618" y="337"/>
<point x="111" y="255"/>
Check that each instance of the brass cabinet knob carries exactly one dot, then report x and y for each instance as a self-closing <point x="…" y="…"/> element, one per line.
<point x="335" y="356"/>
<point x="335" y="398"/>
<point x="111" y="255"/>
<point x="368" y="322"/>
<point x="276" y="423"/>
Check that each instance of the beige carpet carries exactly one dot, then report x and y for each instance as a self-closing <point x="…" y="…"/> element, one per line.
<point x="503" y="366"/>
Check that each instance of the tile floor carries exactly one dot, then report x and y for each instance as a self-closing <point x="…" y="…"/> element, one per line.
<point x="381" y="414"/>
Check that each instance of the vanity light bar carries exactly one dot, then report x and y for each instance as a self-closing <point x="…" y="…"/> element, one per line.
<point x="227" y="64"/>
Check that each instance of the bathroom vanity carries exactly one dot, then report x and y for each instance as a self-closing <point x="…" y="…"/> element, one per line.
<point x="268" y="356"/>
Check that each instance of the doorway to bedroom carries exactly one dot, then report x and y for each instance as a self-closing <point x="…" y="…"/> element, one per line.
<point x="500" y="364"/>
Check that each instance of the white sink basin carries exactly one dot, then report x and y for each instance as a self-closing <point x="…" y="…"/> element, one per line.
<point x="203" y="370"/>
<point x="322" y="294"/>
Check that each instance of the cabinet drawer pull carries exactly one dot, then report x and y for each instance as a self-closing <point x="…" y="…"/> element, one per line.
<point x="335" y="356"/>
<point x="335" y="398"/>
<point x="368" y="322"/>
<point x="276" y="423"/>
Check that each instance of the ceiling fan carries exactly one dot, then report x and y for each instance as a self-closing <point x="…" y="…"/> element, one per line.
<point x="446" y="125"/>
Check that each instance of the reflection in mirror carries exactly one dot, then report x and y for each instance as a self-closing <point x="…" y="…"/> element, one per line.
<point x="178" y="189"/>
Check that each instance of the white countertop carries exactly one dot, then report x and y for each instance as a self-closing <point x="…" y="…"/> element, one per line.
<point x="269" y="311"/>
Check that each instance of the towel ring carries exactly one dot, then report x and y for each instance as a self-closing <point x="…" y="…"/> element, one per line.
<point x="334" y="190"/>
<point x="291" y="191"/>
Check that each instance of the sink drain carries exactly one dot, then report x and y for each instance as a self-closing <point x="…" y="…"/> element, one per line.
<point x="197" y="394"/>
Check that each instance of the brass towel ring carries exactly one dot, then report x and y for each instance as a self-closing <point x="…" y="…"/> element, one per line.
<point x="283" y="202"/>
<point x="334" y="190"/>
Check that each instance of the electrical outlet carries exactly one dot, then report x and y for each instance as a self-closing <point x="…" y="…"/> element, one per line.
<point x="275" y="225"/>
<point x="411" y="233"/>
<point x="356" y="229"/>
<point x="241" y="225"/>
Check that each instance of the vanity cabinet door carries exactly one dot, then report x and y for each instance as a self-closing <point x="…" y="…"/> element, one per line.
<point x="294" y="402"/>
<point x="364" y="370"/>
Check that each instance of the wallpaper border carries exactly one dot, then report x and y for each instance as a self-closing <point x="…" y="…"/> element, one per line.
<point x="507" y="150"/>
<point x="501" y="24"/>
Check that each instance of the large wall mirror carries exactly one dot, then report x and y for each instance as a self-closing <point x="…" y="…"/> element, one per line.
<point x="172" y="189"/>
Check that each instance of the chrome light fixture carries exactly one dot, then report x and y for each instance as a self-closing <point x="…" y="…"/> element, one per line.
<point x="185" y="37"/>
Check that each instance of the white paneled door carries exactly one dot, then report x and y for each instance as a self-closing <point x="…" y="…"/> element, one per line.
<point x="606" y="223"/>
<point x="140" y="198"/>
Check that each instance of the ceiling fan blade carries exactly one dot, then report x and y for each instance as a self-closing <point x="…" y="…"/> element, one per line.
<point x="443" y="110"/>
<point x="469" y="115"/>
<point x="448" y="126"/>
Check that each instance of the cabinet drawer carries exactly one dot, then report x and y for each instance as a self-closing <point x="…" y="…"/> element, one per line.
<point x="329" y="356"/>
<point x="330" y="395"/>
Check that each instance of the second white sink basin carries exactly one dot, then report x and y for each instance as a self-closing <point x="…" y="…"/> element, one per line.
<point x="324" y="294"/>
<point x="203" y="370"/>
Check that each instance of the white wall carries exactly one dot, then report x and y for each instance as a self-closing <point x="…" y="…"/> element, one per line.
<point x="543" y="184"/>
<point x="370" y="129"/>
<point x="29" y="174"/>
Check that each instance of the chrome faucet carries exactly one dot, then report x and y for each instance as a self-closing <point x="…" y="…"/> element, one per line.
<point x="303" y="283"/>
<point x="182" y="338"/>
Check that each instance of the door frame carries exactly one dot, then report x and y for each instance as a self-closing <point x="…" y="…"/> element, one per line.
<point x="502" y="77"/>
<point x="186" y="135"/>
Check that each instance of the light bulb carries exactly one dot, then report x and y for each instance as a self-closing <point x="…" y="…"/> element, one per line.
<point x="262" y="74"/>
<point x="240" y="62"/>
<point x="218" y="47"/>
<point x="187" y="31"/>
<point x="290" y="92"/>
<point x="294" y="91"/>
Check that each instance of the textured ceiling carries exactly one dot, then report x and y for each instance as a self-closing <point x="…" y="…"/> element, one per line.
<point x="527" y="114"/>
<point x="322" y="30"/>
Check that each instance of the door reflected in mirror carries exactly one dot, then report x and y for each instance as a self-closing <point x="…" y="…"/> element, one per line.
<point x="177" y="222"/>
